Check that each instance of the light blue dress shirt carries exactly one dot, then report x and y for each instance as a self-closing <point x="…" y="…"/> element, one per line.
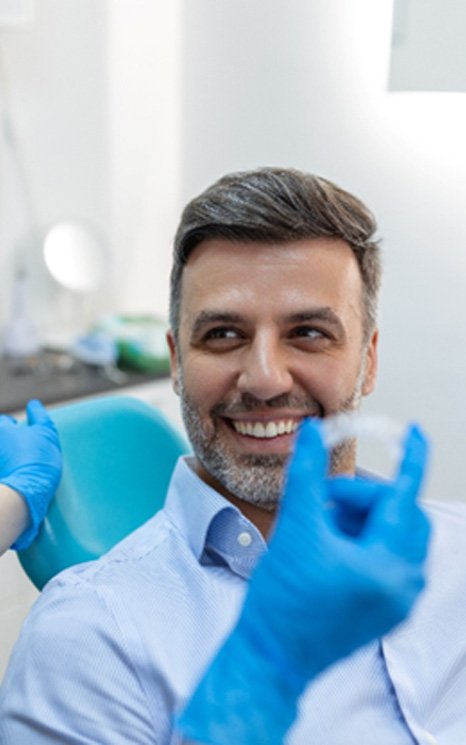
<point x="112" y="648"/>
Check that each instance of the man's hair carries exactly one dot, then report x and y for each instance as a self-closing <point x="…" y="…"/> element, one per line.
<point x="277" y="205"/>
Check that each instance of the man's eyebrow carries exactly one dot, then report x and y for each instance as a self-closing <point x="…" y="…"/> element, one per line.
<point x="315" y="314"/>
<point x="309" y="315"/>
<point x="207" y="317"/>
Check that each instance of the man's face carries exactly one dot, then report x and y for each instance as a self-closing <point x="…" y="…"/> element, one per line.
<point x="269" y="334"/>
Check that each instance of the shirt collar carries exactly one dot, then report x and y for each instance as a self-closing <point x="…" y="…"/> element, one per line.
<point x="215" y="530"/>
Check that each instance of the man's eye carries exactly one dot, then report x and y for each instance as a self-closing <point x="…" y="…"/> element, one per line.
<point x="308" y="332"/>
<point x="221" y="333"/>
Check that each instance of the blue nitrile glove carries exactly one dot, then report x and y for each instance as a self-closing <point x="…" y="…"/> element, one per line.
<point x="318" y="594"/>
<point x="30" y="463"/>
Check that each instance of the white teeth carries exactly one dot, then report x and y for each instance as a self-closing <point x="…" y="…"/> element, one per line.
<point x="259" y="430"/>
<point x="265" y="431"/>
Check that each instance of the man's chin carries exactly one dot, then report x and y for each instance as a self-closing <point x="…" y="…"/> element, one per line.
<point x="263" y="461"/>
<point x="257" y="480"/>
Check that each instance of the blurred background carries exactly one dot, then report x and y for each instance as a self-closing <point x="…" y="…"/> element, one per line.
<point x="115" y="112"/>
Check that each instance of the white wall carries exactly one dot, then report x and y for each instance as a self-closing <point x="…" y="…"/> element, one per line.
<point x="93" y="89"/>
<point x="428" y="30"/>
<point x="54" y="84"/>
<point x="144" y="136"/>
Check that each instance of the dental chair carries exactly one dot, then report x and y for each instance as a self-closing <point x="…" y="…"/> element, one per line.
<point x="118" y="456"/>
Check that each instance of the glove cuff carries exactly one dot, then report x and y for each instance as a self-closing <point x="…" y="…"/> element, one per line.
<point x="28" y="535"/>
<point x="246" y="695"/>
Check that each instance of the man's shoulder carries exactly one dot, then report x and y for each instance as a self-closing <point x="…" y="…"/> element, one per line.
<point x="146" y="563"/>
<point x="447" y="509"/>
<point x="96" y="633"/>
<point x="126" y="594"/>
<point x="143" y="608"/>
<point x="447" y="517"/>
<point x="447" y="559"/>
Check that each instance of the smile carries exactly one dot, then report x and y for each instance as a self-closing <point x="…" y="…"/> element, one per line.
<point x="265" y="430"/>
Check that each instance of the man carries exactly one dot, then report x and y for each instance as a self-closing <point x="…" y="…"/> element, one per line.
<point x="273" y="321"/>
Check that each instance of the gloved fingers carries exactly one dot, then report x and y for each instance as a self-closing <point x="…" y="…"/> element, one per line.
<point x="408" y="539"/>
<point x="7" y="419"/>
<point x="37" y="413"/>
<point x="397" y="516"/>
<point x="360" y="493"/>
<point x="350" y="500"/>
<point x="414" y="462"/>
<point x="305" y="487"/>
<point x="417" y="544"/>
<point x="407" y="485"/>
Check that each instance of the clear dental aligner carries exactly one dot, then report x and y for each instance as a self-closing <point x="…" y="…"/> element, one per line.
<point x="347" y="426"/>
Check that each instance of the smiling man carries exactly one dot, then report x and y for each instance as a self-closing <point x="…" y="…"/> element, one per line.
<point x="259" y="601"/>
<point x="273" y="315"/>
<point x="268" y="334"/>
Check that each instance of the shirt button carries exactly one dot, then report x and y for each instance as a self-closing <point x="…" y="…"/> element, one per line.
<point x="430" y="739"/>
<point x="245" y="539"/>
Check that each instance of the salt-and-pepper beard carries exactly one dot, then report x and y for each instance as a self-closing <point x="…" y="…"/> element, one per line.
<point x="257" y="479"/>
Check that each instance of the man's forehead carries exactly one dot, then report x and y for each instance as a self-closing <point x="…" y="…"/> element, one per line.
<point x="290" y="278"/>
<point x="223" y="262"/>
<point x="224" y="249"/>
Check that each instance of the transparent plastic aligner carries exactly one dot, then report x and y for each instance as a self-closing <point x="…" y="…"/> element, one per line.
<point x="347" y="426"/>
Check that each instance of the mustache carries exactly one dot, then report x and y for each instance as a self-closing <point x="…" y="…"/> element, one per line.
<point x="248" y="403"/>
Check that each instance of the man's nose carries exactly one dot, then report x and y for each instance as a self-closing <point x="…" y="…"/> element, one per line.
<point x="265" y="371"/>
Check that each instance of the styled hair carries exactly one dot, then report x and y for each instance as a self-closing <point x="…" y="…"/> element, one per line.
<point x="276" y="205"/>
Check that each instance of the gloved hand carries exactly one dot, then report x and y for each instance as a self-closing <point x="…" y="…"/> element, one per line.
<point x="345" y="565"/>
<point x="30" y="463"/>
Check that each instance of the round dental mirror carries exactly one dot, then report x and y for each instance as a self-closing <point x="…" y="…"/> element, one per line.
<point x="76" y="256"/>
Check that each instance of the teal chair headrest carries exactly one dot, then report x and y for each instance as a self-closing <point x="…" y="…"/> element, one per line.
<point x="118" y="457"/>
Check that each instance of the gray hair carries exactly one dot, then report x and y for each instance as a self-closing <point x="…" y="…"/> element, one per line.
<point x="276" y="205"/>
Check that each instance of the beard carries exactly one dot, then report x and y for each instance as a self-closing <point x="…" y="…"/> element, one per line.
<point x="257" y="479"/>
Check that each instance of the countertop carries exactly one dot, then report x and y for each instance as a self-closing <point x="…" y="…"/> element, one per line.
<point x="55" y="377"/>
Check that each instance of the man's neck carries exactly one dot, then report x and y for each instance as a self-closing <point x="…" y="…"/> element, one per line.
<point x="262" y="518"/>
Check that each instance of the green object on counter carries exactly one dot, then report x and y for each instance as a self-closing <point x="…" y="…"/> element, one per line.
<point x="133" y="355"/>
<point x="141" y="342"/>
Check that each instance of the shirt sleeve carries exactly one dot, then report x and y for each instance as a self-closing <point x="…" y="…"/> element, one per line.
<point x="71" y="678"/>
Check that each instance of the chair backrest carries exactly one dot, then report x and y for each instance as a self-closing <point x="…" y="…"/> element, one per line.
<point x="118" y="456"/>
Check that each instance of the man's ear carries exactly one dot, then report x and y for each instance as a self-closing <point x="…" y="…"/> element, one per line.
<point x="371" y="361"/>
<point x="173" y="360"/>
